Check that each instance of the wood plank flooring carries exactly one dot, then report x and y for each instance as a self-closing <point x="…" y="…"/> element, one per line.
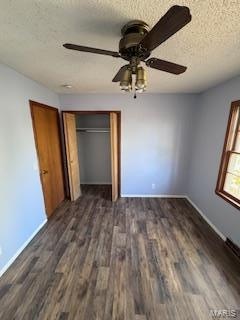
<point x="136" y="259"/>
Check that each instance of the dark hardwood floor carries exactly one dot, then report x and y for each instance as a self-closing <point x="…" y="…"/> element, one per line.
<point x="136" y="259"/>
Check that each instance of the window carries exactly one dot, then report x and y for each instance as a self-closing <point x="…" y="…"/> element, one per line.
<point x="228" y="185"/>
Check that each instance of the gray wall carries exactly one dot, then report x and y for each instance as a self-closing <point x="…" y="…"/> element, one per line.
<point x="94" y="150"/>
<point x="211" y="116"/>
<point x="21" y="203"/>
<point x="155" y="138"/>
<point x="93" y="121"/>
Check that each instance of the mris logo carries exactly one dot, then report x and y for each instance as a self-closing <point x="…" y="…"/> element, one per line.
<point x="225" y="314"/>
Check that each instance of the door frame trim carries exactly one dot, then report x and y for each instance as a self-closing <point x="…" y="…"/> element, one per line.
<point x="31" y="104"/>
<point x="118" y="112"/>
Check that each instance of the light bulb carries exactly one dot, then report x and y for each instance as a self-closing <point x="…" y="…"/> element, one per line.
<point x="140" y="90"/>
<point x="126" y="81"/>
<point x="141" y="82"/>
<point x="126" y="89"/>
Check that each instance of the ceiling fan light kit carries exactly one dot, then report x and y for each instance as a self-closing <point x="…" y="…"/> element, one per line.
<point x="126" y="82"/>
<point x="137" y="44"/>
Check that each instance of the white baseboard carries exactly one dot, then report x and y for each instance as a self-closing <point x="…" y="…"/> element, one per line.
<point x="221" y="235"/>
<point x="8" y="264"/>
<point x="152" y="196"/>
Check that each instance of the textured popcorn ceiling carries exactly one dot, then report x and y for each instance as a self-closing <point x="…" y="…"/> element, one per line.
<point x="32" y="33"/>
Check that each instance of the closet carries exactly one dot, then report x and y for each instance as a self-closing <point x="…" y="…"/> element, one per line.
<point x="92" y="142"/>
<point x="94" y="152"/>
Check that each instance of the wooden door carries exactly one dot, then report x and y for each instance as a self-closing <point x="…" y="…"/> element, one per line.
<point x="114" y="155"/>
<point x="72" y="155"/>
<point x="47" y="139"/>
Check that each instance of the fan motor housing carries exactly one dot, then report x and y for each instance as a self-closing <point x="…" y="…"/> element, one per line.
<point x="133" y="32"/>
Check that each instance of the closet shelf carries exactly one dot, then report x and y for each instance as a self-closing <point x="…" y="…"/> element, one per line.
<point x="93" y="130"/>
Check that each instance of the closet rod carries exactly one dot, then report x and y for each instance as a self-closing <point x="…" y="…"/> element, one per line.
<point x="93" y="130"/>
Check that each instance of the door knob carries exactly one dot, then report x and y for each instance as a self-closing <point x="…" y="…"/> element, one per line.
<point x="44" y="172"/>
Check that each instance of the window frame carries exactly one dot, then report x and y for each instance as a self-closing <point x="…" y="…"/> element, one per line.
<point x="228" y="149"/>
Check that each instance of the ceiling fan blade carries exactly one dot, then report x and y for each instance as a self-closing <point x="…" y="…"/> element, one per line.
<point x="166" y="66"/>
<point x="118" y="77"/>
<point x="91" y="50"/>
<point x="174" y="20"/>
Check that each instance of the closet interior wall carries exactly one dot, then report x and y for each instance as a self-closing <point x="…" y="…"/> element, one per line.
<point x="93" y="137"/>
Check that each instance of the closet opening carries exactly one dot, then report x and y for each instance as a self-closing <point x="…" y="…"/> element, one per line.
<point x="92" y="144"/>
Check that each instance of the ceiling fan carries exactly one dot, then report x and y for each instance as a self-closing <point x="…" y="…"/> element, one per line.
<point x="137" y="43"/>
